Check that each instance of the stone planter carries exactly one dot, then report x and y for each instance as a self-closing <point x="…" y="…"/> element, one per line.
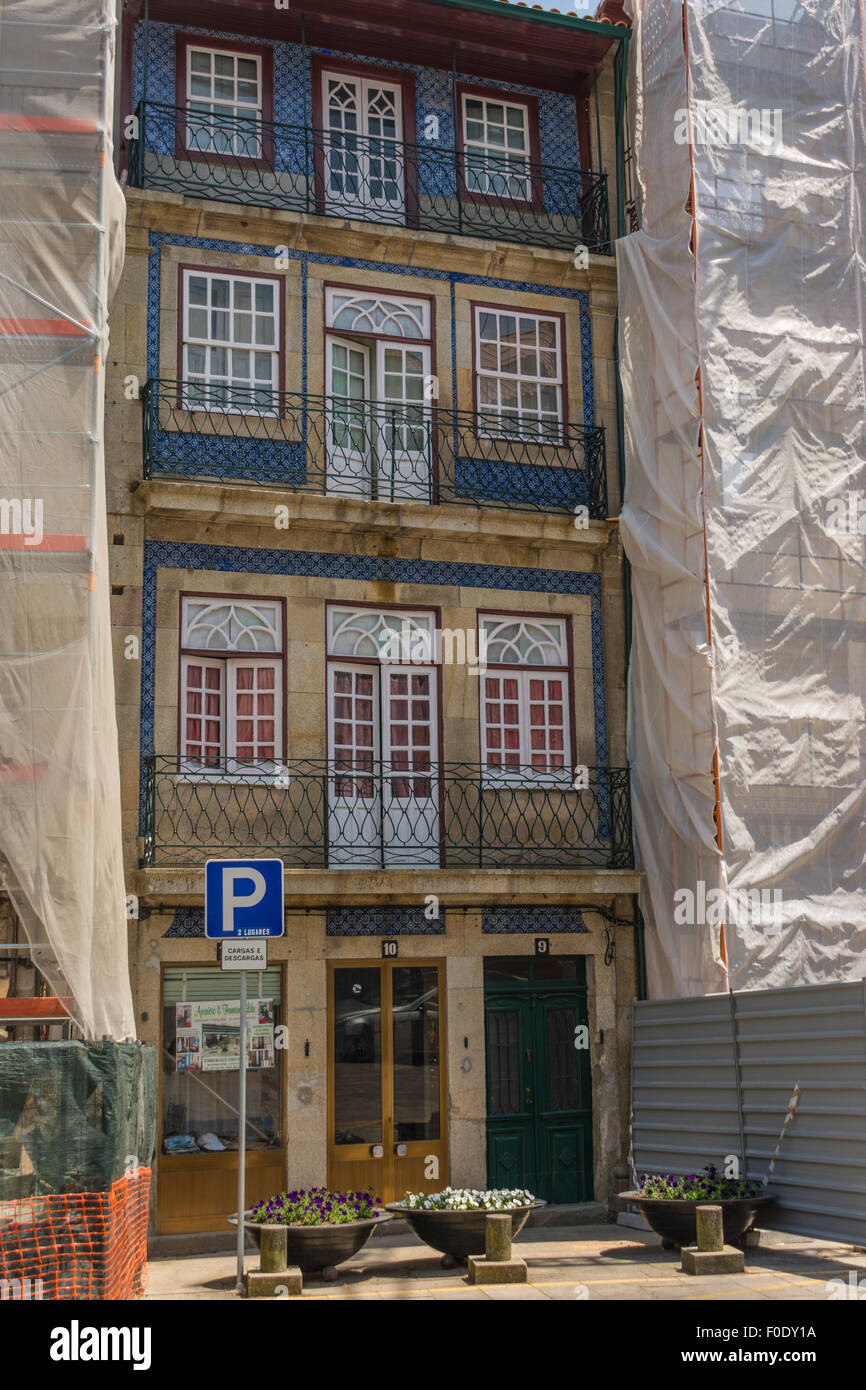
<point x="674" y="1218"/>
<point x="459" y="1234"/>
<point x="315" y="1248"/>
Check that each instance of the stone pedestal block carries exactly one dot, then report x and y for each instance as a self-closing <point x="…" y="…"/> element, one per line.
<point x="285" y="1283"/>
<point x="497" y="1266"/>
<point x="484" y="1271"/>
<point x="728" y="1260"/>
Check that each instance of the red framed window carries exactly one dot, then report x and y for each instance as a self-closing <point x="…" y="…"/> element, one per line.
<point x="526" y="718"/>
<point x="363" y="115"/>
<point x="224" y="92"/>
<point x="231" y="683"/>
<point x="230" y="340"/>
<point x="500" y="142"/>
<point x="519" y="363"/>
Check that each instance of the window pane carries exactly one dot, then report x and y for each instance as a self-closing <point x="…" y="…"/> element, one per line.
<point x="357" y="1025"/>
<point x="200" y="1065"/>
<point x="416" y="1022"/>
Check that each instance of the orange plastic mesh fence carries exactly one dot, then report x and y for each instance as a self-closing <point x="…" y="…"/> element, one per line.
<point x="76" y="1245"/>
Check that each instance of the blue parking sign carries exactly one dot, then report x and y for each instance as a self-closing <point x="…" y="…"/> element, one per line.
<point x="242" y="898"/>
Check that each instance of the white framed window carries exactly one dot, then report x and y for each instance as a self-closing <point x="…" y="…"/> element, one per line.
<point x="231" y="678"/>
<point x="350" y="312"/>
<point x="380" y="435"/>
<point x="231" y="337"/>
<point x="363" y="151"/>
<point x="382" y="736"/>
<point x="496" y="143"/>
<point x="223" y="102"/>
<point x="374" y="633"/>
<point x="525" y="700"/>
<point x="519" y="373"/>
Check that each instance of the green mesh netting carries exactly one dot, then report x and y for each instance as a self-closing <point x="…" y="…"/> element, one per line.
<point x="74" y="1116"/>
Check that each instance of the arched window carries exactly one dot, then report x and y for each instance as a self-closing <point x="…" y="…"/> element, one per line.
<point x="231" y="684"/>
<point x="349" y="312"/>
<point x="526" y="699"/>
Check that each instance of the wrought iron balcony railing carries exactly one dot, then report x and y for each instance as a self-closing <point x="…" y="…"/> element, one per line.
<point x="244" y="159"/>
<point x="335" y="814"/>
<point x="359" y="448"/>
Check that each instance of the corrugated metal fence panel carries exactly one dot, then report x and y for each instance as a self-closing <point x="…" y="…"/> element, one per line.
<point x="814" y="1034"/>
<point x="684" y="1084"/>
<point x="685" y="1096"/>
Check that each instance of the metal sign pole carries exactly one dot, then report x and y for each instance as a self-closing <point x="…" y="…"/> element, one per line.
<point x="243" y="946"/>
<point x="242" y="1135"/>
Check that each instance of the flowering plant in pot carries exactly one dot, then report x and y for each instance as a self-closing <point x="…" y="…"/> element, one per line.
<point x="323" y="1228"/>
<point x="316" y="1207"/>
<point x="453" y="1220"/>
<point x="667" y="1203"/>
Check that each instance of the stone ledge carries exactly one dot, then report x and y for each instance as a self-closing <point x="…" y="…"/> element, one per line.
<point x="222" y="503"/>
<point x="186" y="215"/>
<point x="383" y="887"/>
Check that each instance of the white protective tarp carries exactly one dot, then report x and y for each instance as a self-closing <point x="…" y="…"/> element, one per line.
<point x="745" y="501"/>
<point x="61" y="247"/>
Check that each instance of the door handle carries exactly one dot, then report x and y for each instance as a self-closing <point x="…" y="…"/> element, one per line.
<point x="401" y="1150"/>
<point x="377" y="1151"/>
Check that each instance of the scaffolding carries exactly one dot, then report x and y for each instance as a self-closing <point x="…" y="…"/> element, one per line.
<point x="741" y="344"/>
<point x="61" y="251"/>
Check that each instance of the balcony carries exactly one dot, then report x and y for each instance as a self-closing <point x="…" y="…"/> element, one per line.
<point x="369" y="449"/>
<point x="427" y="188"/>
<point x="319" y="814"/>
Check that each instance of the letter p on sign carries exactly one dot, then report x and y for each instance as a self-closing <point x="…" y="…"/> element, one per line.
<point x="243" y="898"/>
<point x="232" y="879"/>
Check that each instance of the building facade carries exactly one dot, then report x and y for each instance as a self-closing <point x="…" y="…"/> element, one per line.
<point x="367" y="592"/>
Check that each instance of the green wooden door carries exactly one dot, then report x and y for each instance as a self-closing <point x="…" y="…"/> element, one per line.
<point x="510" y="1105"/>
<point x="539" y="1105"/>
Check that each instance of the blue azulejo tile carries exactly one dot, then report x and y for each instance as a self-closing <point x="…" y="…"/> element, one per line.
<point x="251" y="561"/>
<point x="382" y="921"/>
<point x="531" y="921"/>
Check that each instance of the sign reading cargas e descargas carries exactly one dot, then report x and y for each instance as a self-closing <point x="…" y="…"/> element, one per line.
<point x="243" y="955"/>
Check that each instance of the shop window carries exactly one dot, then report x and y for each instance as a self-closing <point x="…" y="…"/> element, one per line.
<point x="201" y="1054"/>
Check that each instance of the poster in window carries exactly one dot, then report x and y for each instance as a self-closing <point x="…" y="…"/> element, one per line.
<point x="207" y="1034"/>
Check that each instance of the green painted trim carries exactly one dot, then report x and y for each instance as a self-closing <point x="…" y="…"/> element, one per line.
<point x="555" y="21"/>
<point x="620" y="67"/>
<point x="640" y="953"/>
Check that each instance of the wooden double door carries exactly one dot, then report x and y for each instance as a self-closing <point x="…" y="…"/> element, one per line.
<point x="539" y="1107"/>
<point x="387" y="1111"/>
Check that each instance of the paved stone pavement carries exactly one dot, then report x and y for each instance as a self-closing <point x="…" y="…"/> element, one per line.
<point x="588" y="1262"/>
